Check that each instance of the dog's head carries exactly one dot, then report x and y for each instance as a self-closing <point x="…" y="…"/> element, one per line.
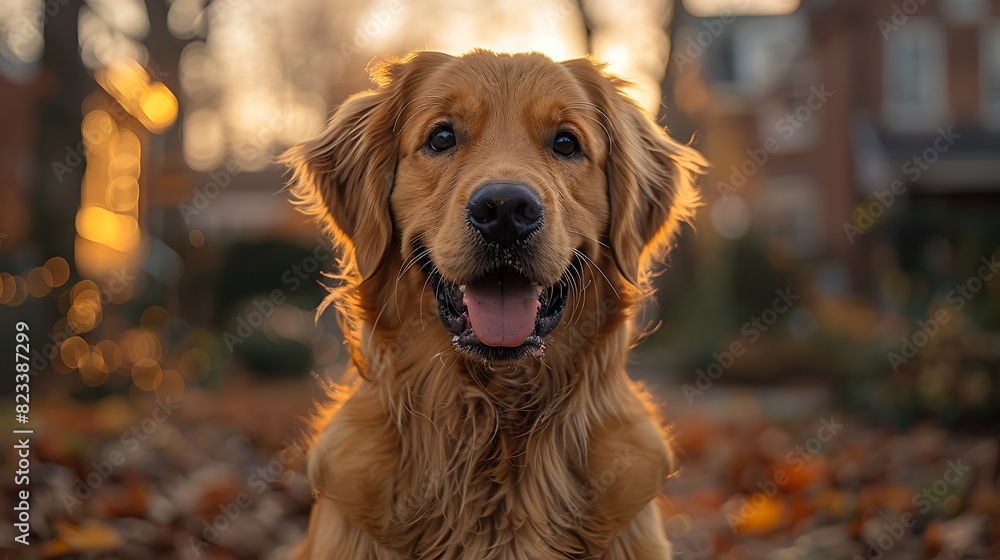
<point x="508" y="185"/>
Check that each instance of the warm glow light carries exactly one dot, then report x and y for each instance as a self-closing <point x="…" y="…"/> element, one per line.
<point x="111" y="353"/>
<point x="85" y="315"/>
<point x="72" y="351"/>
<point x="710" y="8"/>
<point x="125" y="80"/>
<point x="186" y="18"/>
<point x="21" y="29"/>
<point x="126" y="150"/>
<point x="84" y="289"/>
<point x="20" y="292"/>
<point x="93" y="370"/>
<point x="196" y="237"/>
<point x="154" y="318"/>
<point x="204" y="139"/>
<point x="159" y="106"/>
<point x="92" y="376"/>
<point x="617" y="58"/>
<point x="146" y="374"/>
<point x="126" y="16"/>
<point x="116" y="231"/>
<point x="7" y="288"/>
<point x="107" y="223"/>
<point x="123" y="193"/>
<point x="39" y="282"/>
<point x="98" y="127"/>
<point x="149" y="101"/>
<point x="58" y="271"/>
<point x="140" y="344"/>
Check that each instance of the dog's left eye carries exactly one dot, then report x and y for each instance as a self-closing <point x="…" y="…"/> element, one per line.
<point x="564" y="144"/>
<point x="442" y="138"/>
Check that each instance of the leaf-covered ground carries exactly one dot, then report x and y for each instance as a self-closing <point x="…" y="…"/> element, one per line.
<point x="769" y="474"/>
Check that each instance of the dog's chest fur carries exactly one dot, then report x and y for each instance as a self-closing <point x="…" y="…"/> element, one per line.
<point x="485" y="470"/>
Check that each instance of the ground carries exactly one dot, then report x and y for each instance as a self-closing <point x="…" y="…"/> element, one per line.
<point x="765" y="473"/>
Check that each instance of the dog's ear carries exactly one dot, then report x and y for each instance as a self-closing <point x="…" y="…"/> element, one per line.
<point x="345" y="175"/>
<point x="651" y="177"/>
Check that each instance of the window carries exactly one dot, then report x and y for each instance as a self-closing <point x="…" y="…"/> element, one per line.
<point x="915" y="76"/>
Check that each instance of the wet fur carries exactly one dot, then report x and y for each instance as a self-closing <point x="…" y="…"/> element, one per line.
<point x="430" y="453"/>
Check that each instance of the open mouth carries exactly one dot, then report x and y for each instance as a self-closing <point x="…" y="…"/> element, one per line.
<point x="501" y="316"/>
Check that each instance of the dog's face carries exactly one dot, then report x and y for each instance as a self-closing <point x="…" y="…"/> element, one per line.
<point x="510" y="183"/>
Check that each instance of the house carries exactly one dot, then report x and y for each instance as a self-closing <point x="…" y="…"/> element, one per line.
<point x="845" y="121"/>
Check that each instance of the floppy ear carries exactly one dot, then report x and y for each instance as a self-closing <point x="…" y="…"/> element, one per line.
<point x="345" y="175"/>
<point x="651" y="177"/>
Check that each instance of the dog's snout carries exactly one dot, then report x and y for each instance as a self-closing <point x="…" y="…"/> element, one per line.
<point x="505" y="212"/>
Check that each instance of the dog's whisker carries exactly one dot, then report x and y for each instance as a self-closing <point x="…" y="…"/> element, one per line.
<point x="578" y="289"/>
<point x="585" y="236"/>
<point x="420" y="302"/>
<point x="592" y="264"/>
<point x="406" y="264"/>
<point x="407" y="104"/>
<point x="610" y="134"/>
<point x="415" y="114"/>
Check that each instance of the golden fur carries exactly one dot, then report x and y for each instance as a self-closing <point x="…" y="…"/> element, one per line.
<point x="433" y="454"/>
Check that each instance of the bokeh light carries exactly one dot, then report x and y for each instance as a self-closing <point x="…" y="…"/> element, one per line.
<point x="72" y="351"/>
<point x="113" y="230"/>
<point x="111" y="353"/>
<point x="39" y="282"/>
<point x="19" y="291"/>
<point x="58" y="270"/>
<point x="154" y="317"/>
<point x="93" y="369"/>
<point x="146" y="374"/>
<point x="196" y="238"/>
<point x="171" y="386"/>
<point x="141" y="344"/>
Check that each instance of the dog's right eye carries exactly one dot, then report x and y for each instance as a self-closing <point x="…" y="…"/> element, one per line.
<point x="442" y="139"/>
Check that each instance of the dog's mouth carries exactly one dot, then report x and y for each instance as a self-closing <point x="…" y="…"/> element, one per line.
<point x="503" y="315"/>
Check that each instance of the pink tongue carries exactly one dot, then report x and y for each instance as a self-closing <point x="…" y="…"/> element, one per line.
<point x="502" y="309"/>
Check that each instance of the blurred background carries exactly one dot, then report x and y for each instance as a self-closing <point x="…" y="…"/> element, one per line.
<point x="828" y="341"/>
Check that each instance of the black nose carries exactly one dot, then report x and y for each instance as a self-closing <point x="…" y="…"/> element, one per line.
<point x="505" y="212"/>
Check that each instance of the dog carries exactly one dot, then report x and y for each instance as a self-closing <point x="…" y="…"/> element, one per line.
<point x="499" y="217"/>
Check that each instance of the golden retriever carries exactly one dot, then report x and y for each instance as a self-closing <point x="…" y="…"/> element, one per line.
<point x="498" y="215"/>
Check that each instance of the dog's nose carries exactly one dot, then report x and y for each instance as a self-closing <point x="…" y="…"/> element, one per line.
<point x="505" y="212"/>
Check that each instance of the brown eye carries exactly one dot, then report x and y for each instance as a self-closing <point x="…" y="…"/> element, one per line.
<point x="442" y="139"/>
<point x="564" y="144"/>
